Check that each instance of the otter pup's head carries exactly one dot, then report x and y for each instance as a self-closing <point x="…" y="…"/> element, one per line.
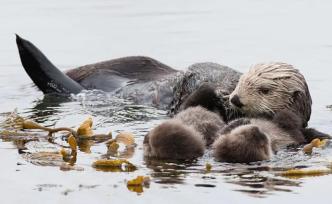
<point x="244" y="144"/>
<point x="173" y="140"/>
<point x="270" y="87"/>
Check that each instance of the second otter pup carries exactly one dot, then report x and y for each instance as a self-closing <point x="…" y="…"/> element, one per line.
<point x="185" y="136"/>
<point x="254" y="139"/>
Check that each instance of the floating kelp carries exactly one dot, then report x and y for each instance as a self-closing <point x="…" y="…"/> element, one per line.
<point x="85" y="129"/>
<point x="14" y="124"/>
<point x="72" y="156"/>
<point x="137" y="184"/>
<point x="72" y="143"/>
<point x="57" y="158"/>
<point x="61" y="158"/>
<point x="300" y="173"/>
<point x="317" y="143"/>
<point x="114" y="165"/>
<point x="208" y="167"/>
<point x="125" y="138"/>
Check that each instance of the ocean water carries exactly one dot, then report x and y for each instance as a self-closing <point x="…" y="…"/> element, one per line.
<point x="178" y="33"/>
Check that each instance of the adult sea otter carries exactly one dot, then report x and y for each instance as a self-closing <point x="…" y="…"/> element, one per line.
<point x="141" y="79"/>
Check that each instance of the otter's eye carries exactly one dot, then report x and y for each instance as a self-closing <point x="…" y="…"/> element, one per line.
<point x="264" y="90"/>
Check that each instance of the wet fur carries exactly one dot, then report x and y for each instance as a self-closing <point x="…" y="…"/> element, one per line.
<point x="205" y="122"/>
<point x="174" y="140"/>
<point x="258" y="138"/>
<point x="206" y="97"/>
<point x="185" y="136"/>
<point x="270" y="87"/>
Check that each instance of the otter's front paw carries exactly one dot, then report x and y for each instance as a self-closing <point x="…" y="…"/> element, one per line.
<point x="174" y="140"/>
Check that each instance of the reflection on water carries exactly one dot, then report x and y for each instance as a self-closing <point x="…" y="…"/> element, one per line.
<point x="46" y="107"/>
<point x="258" y="179"/>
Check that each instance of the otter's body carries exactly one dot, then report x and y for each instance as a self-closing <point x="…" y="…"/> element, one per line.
<point x="141" y="79"/>
<point x="264" y="91"/>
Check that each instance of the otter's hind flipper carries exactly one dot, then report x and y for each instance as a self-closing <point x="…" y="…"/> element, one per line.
<point x="43" y="73"/>
<point x="311" y="133"/>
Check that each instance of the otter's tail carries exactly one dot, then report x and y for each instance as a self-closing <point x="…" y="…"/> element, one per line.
<point x="43" y="73"/>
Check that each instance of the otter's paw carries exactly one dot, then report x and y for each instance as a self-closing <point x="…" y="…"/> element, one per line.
<point x="173" y="140"/>
<point x="242" y="145"/>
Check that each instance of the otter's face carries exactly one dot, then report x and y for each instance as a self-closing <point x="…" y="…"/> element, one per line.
<point x="267" y="88"/>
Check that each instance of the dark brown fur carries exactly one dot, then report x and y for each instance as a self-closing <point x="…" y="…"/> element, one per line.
<point x="185" y="136"/>
<point x="248" y="146"/>
<point x="257" y="139"/>
<point x="174" y="140"/>
<point x="205" y="122"/>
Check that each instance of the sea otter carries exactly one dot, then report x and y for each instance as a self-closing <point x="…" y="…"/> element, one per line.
<point x="264" y="90"/>
<point x="248" y="140"/>
<point x="274" y="93"/>
<point x="185" y="136"/>
<point x="243" y="140"/>
<point x="141" y="79"/>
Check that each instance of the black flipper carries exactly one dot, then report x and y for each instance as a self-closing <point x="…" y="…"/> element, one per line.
<point x="43" y="73"/>
<point x="311" y="133"/>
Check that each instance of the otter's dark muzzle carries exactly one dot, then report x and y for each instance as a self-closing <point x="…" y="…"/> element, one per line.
<point x="235" y="100"/>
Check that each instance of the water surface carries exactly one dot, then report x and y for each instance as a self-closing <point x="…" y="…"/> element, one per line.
<point x="234" y="33"/>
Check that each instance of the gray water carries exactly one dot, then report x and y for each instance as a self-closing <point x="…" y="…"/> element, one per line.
<point x="236" y="33"/>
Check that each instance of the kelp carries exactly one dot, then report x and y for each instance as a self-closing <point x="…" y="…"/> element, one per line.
<point x="301" y="173"/>
<point x="85" y="129"/>
<point x="208" y="167"/>
<point x="114" y="165"/>
<point x="14" y="123"/>
<point x="137" y="184"/>
<point x="317" y="143"/>
<point x="125" y="138"/>
<point x="61" y="158"/>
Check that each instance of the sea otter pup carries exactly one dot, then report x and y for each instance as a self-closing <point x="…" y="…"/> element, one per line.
<point x="254" y="139"/>
<point x="185" y="136"/>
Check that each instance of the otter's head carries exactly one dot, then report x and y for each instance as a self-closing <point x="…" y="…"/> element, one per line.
<point x="271" y="87"/>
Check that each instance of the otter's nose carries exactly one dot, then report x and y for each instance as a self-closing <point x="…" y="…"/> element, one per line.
<point x="235" y="100"/>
